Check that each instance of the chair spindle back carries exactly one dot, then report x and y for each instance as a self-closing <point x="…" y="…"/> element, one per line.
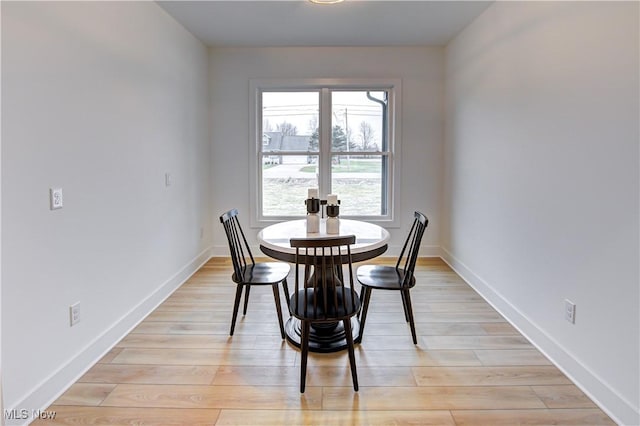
<point x="323" y="261"/>
<point x="238" y="245"/>
<point x="409" y="254"/>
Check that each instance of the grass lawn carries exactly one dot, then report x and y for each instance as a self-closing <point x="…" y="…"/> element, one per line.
<point x="286" y="196"/>
<point x="346" y="166"/>
<point x="357" y="183"/>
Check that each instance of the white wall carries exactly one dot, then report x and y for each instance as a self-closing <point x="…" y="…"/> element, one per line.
<point x="100" y="99"/>
<point x="1" y="393"/>
<point x="421" y="71"/>
<point x="541" y="193"/>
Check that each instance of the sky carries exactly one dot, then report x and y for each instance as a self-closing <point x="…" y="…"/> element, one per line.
<point x="301" y="110"/>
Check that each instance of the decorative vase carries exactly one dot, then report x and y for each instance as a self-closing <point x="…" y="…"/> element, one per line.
<point x="313" y="207"/>
<point x="333" y="223"/>
<point x="313" y="223"/>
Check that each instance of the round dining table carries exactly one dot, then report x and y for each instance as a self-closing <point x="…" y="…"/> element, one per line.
<point x="371" y="241"/>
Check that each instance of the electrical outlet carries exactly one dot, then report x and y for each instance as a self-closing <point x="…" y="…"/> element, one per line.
<point x="168" y="179"/>
<point x="569" y="311"/>
<point x="55" y="198"/>
<point x="74" y="314"/>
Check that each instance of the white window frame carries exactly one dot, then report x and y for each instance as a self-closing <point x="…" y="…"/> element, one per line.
<point x="257" y="86"/>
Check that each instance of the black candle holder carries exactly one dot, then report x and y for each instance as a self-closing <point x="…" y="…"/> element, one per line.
<point x="326" y="207"/>
<point x="313" y="205"/>
<point x="333" y="210"/>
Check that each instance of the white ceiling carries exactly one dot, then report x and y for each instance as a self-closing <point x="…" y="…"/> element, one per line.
<point x="301" y="23"/>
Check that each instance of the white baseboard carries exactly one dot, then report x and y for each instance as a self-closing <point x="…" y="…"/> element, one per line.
<point x="615" y="405"/>
<point x="47" y="391"/>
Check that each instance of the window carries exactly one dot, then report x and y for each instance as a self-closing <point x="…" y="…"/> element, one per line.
<point x="339" y="137"/>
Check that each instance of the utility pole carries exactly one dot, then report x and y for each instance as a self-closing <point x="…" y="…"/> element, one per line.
<point x="346" y="125"/>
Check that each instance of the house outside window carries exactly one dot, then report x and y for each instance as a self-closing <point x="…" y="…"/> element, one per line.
<point x="339" y="136"/>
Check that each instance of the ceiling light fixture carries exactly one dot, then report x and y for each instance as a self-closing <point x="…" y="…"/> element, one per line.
<point x="326" y="1"/>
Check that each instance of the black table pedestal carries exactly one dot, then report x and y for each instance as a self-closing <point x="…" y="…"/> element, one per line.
<point x="324" y="337"/>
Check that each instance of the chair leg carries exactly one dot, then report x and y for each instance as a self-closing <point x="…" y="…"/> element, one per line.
<point x="246" y="299"/>
<point x="305" y="328"/>
<point x="236" y="305"/>
<point x="404" y="306"/>
<point x="286" y="293"/>
<point x="366" y="295"/>
<point x="352" y="355"/>
<point x="407" y="297"/>
<point x="276" y="296"/>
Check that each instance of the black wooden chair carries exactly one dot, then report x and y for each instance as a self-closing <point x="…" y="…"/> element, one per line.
<point x="247" y="273"/>
<point x="324" y="294"/>
<point x="399" y="278"/>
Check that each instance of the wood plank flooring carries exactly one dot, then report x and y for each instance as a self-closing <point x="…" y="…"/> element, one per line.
<point x="181" y="367"/>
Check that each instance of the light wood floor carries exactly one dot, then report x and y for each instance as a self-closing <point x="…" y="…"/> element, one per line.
<point x="180" y="366"/>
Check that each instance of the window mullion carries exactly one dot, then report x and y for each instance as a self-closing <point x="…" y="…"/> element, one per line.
<point x="324" y="166"/>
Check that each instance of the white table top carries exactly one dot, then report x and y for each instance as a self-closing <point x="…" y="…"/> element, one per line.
<point x="369" y="236"/>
